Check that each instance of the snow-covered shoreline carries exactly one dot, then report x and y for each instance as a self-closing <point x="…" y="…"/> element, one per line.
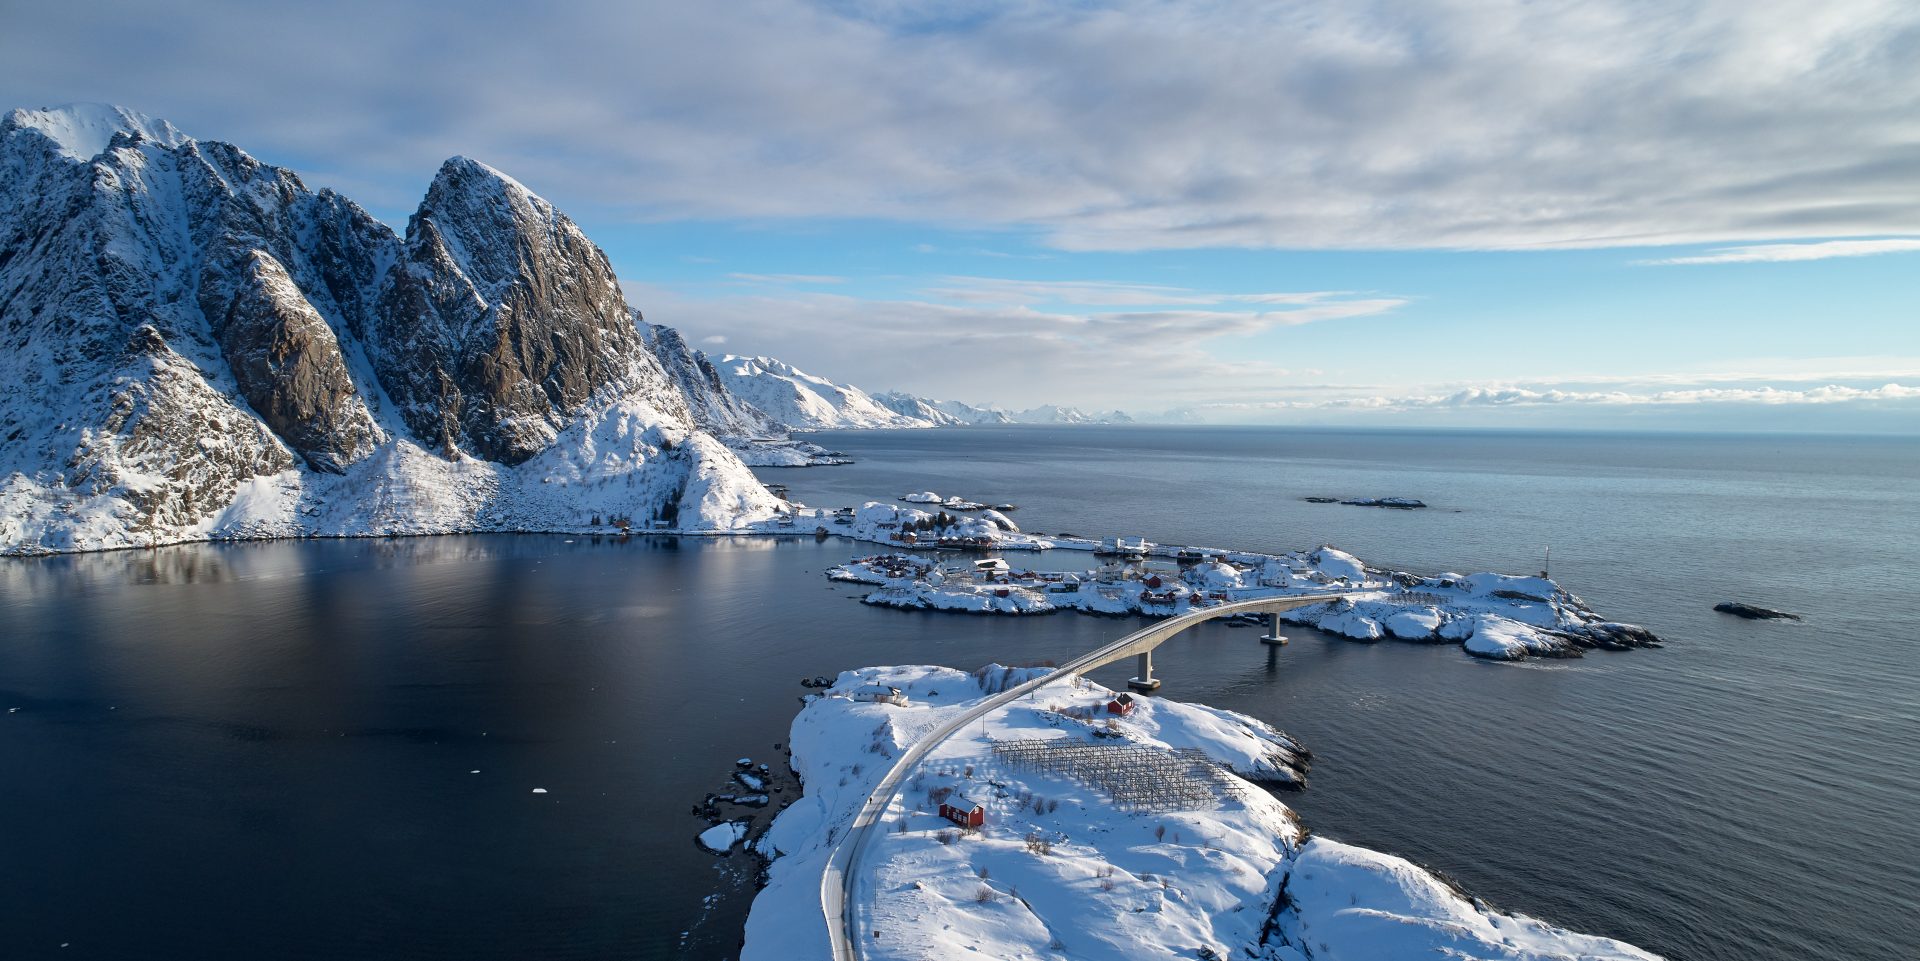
<point x="1495" y="616"/>
<point x="1077" y="860"/>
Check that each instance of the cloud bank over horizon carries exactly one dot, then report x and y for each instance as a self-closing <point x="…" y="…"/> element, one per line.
<point x="1243" y="209"/>
<point x="1120" y="125"/>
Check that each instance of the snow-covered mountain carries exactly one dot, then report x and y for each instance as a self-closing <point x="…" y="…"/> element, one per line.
<point x="712" y="406"/>
<point x="804" y="401"/>
<point x="918" y="408"/>
<point x="1055" y="414"/>
<point x="971" y="414"/>
<point x="942" y="413"/>
<point x="198" y="345"/>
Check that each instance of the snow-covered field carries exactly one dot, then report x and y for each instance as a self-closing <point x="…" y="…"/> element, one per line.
<point x="1105" y="837"/>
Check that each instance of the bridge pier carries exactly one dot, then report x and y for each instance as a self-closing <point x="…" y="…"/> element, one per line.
<point x="1273" y="637"/>
<point x="1144" y="681"/>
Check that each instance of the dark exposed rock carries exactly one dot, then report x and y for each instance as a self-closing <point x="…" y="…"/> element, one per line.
<point x="291" y="370"/>
<point x="136" y="448"/>
<point x="1616" y="636"/>
<point x="1752" y="613"/>
<point x="507" y="319"/>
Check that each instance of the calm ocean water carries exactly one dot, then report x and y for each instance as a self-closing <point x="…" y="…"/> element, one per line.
<point x="266" y="750"/>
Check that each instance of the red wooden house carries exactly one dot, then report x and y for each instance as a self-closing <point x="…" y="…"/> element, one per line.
<point x="963" y="812"/>
<point x="1122" y="704"/>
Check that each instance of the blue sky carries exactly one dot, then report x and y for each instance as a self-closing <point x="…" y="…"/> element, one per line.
<point x="1450" y="213"/>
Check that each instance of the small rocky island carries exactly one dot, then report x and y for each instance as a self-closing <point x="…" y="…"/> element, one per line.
<point x="1392" y="503"/>
<point x="1753" y="613"/>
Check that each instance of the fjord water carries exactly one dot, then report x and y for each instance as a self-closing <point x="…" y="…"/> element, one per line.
<point x="265" y="750"/>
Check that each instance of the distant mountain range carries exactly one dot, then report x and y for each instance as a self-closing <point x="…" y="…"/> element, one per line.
<point x="198" y="345"/>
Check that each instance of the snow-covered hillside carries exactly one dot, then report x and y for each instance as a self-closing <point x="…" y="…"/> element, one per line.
<point x="1055" y="414"/>
<point x="804" y="401"/>
<point x="943" y="412"/>
<point x="198" y="345"/>
<point x="1184" y="860"/>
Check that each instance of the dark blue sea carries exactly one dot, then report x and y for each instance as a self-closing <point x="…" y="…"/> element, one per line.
<point x="268" y="750"/>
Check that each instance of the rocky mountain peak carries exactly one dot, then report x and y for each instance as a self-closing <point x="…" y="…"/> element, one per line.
<point x="194" y="343"/>
<point x="81" y="131"/>
<point x="511" y="319"/>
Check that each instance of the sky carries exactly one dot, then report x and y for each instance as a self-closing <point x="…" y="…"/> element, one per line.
<point x="1605" y="214"/>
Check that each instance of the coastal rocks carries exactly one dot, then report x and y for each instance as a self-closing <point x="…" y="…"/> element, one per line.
<point x="1394" y="503"/>
<point x="1753" y="613"/>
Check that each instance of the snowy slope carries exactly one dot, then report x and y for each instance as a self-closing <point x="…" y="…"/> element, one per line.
<point x="198" y="345"/>
<point x="945" y="413"/>
<point x="803" y="401"/>
<point x="750" y="432"/>
<point x="918" y="408"/>
<point x="715" y="408"/>
<point x="1055" y="414"/>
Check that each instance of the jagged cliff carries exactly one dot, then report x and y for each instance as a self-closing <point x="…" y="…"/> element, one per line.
<point x="195" y="344"/>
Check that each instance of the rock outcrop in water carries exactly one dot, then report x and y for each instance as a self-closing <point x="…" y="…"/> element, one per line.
<point x="1752" y="613"/>
<point x="198" y="345"/>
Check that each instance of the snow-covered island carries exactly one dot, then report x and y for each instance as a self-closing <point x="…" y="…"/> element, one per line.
<point x="1498" y="616"/>
<point x="1106" y="831"/>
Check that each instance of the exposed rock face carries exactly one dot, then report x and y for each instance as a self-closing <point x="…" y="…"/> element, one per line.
<point x="136" y="450"/>
<point x="508" y="318"/>
<point x="291" y="370"/>
<point x="192" y="343"/>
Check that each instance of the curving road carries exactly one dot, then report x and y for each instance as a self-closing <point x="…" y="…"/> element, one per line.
<point x="838" y="901"/>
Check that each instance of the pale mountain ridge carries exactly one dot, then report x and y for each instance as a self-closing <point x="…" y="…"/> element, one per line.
<point x="799" y="400"/>
<point x="804" y="401"/>
<point x="197" y="345"/>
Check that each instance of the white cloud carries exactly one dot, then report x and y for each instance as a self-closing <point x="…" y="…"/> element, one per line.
<point x="1504" y="397"/>
<point x="1776" y="253"/>
<point x="1115" y="124"/>
<point x="1101" y="293"/>
<point x="787" y="279"/>
<point x="1014" y="353"/>
<point x="717" y="340"/>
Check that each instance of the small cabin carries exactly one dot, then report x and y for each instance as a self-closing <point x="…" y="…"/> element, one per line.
<point x="1153" y="582"/>
<point x="1122" y="705"/>
<point x="963" y="812"/>
<point x="880" y="694"/>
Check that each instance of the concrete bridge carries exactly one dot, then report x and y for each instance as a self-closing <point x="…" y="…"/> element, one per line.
<point x="839" y="898"/>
